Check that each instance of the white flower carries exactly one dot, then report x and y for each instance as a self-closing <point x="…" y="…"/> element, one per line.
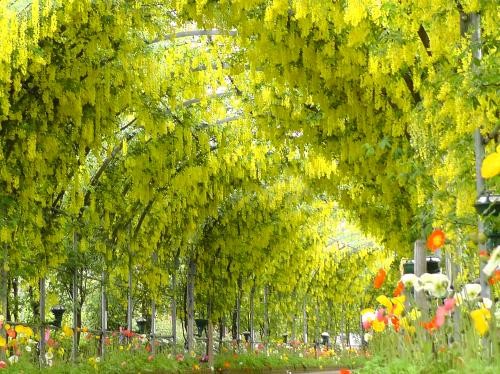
<point x="368" y="315"/>
<point x="485" y="303"/>
<point x="493" y="262"/>
<point x="436" y="285"/>
<point x="409" y="280"/>
<point x="49" y="355"/>
<point x="470" y="292"/>
<point x="13" y="359"/>
<point x="49" y="362"/>
<point x="28" y="348"/>
<point x="98" y="359"/>
<point x="368" y="337"/>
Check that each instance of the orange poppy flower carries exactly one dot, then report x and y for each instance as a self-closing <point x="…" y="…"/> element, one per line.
<point x="399" y="289"/>
<point x="495" y="278"/>
<point x="379" y="278"/>
<point x="435" y="240"/>
<point x="227" y="364"/>
<point x="344" y="371"/>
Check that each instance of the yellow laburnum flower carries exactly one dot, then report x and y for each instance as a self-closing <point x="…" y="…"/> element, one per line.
<point x="480" y="317"/>
<point x="491" y="165"/>
<point x="378" y="326"/>
<point x="67" y="331"/>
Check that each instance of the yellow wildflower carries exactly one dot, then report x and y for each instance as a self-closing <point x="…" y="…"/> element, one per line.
<point x="67" y="331"/>
<point x="378" y="326"/>
<point x="480" y="317"/>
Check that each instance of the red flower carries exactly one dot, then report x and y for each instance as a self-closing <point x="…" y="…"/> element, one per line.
<point x="344" y="371"/>
<point x="399" y="289"/>
<point x="484" y="255"/>
<point x="435" y="240"/>
<point x="395" y="323"/>
<point x="494" y="278"/>
<point x="11" y="333"/>
<point x="430" y="326"/>
<point x="379" y="278"/>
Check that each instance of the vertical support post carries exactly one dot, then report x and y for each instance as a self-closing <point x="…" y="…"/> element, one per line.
<point x="173" y="305"/>
<point x="238" y="313"/>
<point x="104" y="314"/>
<point x="74" y="345"/>
<point x="252" y="311"/>
<point x="472" y="22"/>
<point x="3" y="293"/>
<point x="294" y="322"/>
<point x="42" y="322"/>
<point x="266" y="319"/>
<point x="304" y="321"/>
<point x="420" y="268"/>
<point x="129" y="296"/>
<point x="316" y="329"/>
<point x="190" y="304"/>
<point x="153" y="327"/>
<point x="210" y="336"/>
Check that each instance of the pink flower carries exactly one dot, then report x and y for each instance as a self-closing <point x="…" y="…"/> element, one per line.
<point x="449" y="305"/>
<point x="440" y="316"/>
<point x="380" y="314"/>
<point x="367" y="325"/>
